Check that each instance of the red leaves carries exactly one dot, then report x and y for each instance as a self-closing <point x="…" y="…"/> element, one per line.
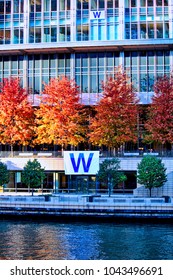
<point x="16" y="114"/>
<point x="160" y="121"/>
<point x="116" y="113"/>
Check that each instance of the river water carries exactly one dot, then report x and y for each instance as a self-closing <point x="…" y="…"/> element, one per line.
<point x="28" y="240"/>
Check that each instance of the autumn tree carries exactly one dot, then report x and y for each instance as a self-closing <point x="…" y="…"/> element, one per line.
<point x="16" y="114"/>
<point x="115" y="121"/>
<point x="160" y="117"/>
<point x="58" y="117"/>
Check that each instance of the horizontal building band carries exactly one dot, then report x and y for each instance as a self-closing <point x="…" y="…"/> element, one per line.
<point x="123" y="45"/>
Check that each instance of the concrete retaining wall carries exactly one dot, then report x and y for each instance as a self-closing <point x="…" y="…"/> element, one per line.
<point x="86" y="206"/>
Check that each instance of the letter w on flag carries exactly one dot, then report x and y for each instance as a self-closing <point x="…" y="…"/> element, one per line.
<point x="96" y="14"/>
<point x="81" y="158"/>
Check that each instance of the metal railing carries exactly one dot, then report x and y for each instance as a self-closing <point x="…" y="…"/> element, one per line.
<point x="89" y="191"/>
<point x="103" y="154"/>
<point x="4" y="154"/>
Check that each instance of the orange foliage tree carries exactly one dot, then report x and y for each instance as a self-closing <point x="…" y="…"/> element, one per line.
<point x="160" y="116"/>
<point x="58" y="117"/>
<point x="115" y="121"/>
<point x="16" y="114"/>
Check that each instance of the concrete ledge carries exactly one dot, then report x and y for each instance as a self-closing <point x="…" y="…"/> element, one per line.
<point x="78" y="199"/>
<point x="59" y="206"/>
<point x="151" y="154"/>
<point x="44" y="154"/>
<point x="130" y="154"/>
<point x="138" y="200"/>
<point x="118" y="200"/>
<point x="26" y="154"/>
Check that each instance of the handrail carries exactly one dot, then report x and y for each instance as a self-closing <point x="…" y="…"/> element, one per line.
<point x="103" y="154"/>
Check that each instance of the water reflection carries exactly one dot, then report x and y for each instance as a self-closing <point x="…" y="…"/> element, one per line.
<point x="84" y="241"/>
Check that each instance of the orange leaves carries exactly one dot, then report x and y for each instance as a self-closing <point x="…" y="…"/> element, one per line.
<point x="58" y="118"/>
<point x="16" y="114"/>
<point x="160" y="117"/>
<point x="116" y="113"/>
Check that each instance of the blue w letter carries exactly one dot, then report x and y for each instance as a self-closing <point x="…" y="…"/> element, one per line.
<point x="96" y="14"/>
<point x="86" y="166"/>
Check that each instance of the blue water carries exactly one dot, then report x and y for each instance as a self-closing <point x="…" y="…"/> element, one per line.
<point x="27" y="240"/>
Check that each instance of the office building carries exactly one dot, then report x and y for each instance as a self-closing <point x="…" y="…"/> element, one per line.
<point x="85" y="40"/>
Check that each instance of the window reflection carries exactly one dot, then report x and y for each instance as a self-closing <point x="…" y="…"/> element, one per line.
<point x="50" y="21"/>
<point x="145" y="66"/>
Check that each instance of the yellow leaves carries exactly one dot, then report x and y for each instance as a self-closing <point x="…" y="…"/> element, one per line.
<point x="58" y="118"/>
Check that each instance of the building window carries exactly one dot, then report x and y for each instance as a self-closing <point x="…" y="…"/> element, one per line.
<point x="44" y="67"/>
<point x="8" y="7"/>
<point x="158" y="2"/>
<point x="150" y="3"/>
<point x="18" y="36"/>
<point x="53" y="5"/>
<point x="143" y="67"/>
<point x="64" y="5"/>
<point x="64" y="33"/>
<point x="97" y="4"/>
<point x="112" y="3"/>
<point x="83" y="4"/>
<point x="91" y="70"/>
<point x="143" y="3"/>
<point x="2" y="7"/>
<point x="133" y="3"/>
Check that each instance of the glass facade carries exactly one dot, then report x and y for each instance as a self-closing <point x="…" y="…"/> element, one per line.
<point x="54" y="21"/>
<point x="41" y="68"/>
<point x="145" y="66"/>
<point x="85" y="40"/>
<point x="11" y="22"/>
<point x="146" y="19"/>
<point x="92" y="68"/>
<point x="11" y="66"/>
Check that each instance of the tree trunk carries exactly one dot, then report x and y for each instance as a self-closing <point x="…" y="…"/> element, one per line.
<point x="42" y="187"/>
<point x="11" y="150"/>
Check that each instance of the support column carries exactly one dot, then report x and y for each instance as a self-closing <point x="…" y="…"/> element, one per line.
<point x="56" y="182"/>
<point x="122" y="59"/>
<point x="72" y="66"/>
<point x="171" y="61"/>
<point x="121" y="34"/>
<point x="73" y="21"/>
<point x="25" y="72"/>
<point x="170" y="6"/>
<point x="26" y="21"/>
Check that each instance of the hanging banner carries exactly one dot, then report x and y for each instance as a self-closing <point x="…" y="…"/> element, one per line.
<point x="81" y="162"/>
<point x="97" y="15"/>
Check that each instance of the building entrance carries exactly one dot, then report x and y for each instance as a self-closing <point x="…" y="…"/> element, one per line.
<point x="82" y="184"/>
<point x="77" y="184"/>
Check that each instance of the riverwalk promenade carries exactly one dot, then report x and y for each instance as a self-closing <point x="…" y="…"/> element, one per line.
<point x="85" y="206"/>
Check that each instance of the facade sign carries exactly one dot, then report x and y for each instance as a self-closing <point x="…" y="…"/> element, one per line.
<point x="81" y="162"/>
<point x="97" y="14"/>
